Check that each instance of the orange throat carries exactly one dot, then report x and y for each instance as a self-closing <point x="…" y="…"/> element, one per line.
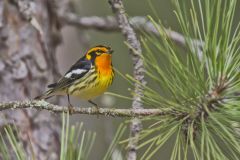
<point x="104" y="64"/>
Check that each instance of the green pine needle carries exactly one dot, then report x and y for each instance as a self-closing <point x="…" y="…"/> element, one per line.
<point x="199" y="84"/>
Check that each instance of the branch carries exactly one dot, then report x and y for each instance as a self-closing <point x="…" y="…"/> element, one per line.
<point x="109" y="24"/>
<point x="43" y="105"/>
<point x="138" y="72"/>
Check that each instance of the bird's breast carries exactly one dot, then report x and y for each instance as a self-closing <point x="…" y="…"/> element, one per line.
<point x="96" y="85"/>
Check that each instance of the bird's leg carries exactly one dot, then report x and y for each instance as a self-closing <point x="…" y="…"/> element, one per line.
<point x="94" y="104"/>
<point x="70" y="106"/>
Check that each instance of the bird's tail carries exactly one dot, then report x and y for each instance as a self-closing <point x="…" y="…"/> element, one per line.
<point x="46" y="95"/>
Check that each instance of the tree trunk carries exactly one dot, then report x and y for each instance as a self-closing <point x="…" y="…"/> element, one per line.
<point x="27" y="64"/>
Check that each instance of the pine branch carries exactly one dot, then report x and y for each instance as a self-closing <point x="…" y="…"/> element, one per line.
<point x="138" y="72"/>
<point x="43" y="105"/>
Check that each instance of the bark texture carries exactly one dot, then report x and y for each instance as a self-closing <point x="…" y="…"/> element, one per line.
<point x="27" y="64"/>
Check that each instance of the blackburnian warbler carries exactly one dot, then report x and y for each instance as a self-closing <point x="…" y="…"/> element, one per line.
<point x="89" y="77"/>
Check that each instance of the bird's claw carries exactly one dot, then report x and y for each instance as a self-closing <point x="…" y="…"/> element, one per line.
<point x="70" y="109"/>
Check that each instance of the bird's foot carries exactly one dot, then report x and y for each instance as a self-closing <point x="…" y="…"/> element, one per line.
<point x="94" y="104"/>
<point x="70" y="109"/>
<point x="96" y="108"/>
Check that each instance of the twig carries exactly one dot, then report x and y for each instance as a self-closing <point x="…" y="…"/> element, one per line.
<point x="138" y="72"/>
<point x="109" y="24"/>
<point x="43" y="105"/>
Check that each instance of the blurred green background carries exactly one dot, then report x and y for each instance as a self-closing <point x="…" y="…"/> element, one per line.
<point x="77" y="41"/>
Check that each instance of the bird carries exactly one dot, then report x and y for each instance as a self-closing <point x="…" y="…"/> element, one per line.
<point x="86" y="79"/>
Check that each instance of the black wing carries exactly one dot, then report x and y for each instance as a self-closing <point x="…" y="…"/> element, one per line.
<point x="77" y="71"/>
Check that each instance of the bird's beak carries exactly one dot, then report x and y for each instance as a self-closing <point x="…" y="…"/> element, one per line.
<point x="110" y="51"/>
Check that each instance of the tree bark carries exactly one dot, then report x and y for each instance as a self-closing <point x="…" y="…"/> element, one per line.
<point x="27" y="64"/>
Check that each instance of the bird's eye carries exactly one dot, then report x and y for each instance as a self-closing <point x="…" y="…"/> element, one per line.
<point x="99" y="52"/>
